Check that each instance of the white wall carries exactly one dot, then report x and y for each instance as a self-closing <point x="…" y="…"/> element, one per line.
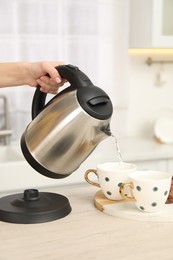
<point x="146" y="100"/>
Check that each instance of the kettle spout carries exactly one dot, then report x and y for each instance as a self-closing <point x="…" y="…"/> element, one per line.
<point x="106" y="130"/>
<point x="101" y="133"/>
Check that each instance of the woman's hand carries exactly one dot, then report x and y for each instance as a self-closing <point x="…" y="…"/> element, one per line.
<point x="31" y="73"/>
<point x="38" y="75"/>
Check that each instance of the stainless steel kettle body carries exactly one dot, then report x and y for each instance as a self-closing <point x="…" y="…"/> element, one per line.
<point x="67" y="129"/>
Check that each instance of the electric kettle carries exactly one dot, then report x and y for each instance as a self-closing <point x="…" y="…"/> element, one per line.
<point x="66" y="130"/>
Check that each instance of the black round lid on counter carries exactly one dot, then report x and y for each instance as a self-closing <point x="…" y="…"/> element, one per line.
<point x="95" y="102"/>
<point x="33" y="207"/>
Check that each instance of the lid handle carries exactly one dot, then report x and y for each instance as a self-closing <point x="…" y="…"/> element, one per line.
<point x="98" y="100"/>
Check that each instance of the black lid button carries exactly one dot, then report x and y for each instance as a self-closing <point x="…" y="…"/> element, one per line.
<point x="98" y="100"/>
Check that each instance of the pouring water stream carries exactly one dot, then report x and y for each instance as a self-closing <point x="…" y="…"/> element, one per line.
<point x="119" y="155"/>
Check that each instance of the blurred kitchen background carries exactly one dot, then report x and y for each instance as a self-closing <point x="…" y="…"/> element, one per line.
<point x="92" y="35"/>
<point x="111" y="41"/>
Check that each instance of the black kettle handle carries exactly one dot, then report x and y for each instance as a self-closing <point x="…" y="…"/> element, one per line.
<point x="72" y="74"/>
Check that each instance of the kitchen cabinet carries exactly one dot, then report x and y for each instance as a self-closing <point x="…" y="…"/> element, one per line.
<point x="151" y="24"/>
<point x="147" y="153"/>
<point x="170" y="165"/>
<point x="158" y="165"/>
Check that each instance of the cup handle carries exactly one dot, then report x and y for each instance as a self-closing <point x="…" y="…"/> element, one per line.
<point x="88" y="180"/>
<point x="122" y="191"/>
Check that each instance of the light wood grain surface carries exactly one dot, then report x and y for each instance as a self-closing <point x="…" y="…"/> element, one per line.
<point x="86" y="233"/>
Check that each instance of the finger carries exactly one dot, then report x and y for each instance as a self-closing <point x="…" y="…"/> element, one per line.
<point x="47" y="88"/>
<point x="49" y="80"/>
<point x="50" y="91"/>
<point x="45" y="79"/>
<point x="53" y="73"/>
<point x="50" y="83"/>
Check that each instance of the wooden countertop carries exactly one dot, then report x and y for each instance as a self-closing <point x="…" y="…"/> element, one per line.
<point x="86" y="234"/>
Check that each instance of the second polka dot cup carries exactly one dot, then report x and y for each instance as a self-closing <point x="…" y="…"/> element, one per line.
<point x="110" y="177"/>
<point x="150" y="189"/>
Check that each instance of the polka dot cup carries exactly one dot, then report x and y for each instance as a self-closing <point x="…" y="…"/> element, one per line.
<point x="110" y="177"/>
<point x="150" y="190"/>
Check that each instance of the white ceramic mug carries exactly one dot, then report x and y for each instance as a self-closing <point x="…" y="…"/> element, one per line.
<point x="110" y="177"/>
<point x="150" y="189"/>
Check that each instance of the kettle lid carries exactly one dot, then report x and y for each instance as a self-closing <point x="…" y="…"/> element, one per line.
<point x="95" y="102"/>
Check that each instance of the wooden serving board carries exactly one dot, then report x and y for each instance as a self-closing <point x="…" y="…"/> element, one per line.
<point x="128" y="210"/>
<point x="100" y="201"/>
